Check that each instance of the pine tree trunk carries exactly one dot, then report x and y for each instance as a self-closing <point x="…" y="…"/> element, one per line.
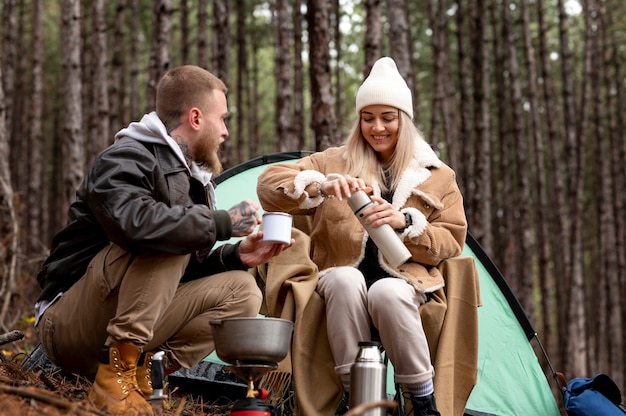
<point x="298" y="77"/>
<point x="135" y="111"/>
<point x="203" y="34"/>
<point x="481" y="197"/>
<point x="399" y="31"/>
<point x="617" y="278"/>
<point x="185" y="43"/>
<point x="373" y="45"/>
<point x="503" y="145"/>
<point x="9" y="231"/>
<point x="521" y="196"/>
<point x="117" y="86"/>
<point x="220" y="60"/>
<point x="239" y="136"/>
<point x="9" y="57"/>
<point x="574" y="151"/>
<point x="253" y="117"/>
<point x="100" y="136"/>
<point x="555" y="188"/>
<point x="285" y="140"/>
<point x="73" y="144"/>
<point x="18" y="123"/>
<point x="338" y="89"/>
<point x="160" y="49"/>
<point x="36" y="197"/>
<point x="443" y="124"/>
<point x="322" y="117"/>
<point x="610" y="226"/>
<point x="464" y="86"/>
<point x="541" y="206"/>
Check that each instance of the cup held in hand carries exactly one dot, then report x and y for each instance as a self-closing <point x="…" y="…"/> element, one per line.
<point x="277" y="228"/>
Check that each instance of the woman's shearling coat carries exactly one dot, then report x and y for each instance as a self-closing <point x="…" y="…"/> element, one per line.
<point x="427" y="191"/>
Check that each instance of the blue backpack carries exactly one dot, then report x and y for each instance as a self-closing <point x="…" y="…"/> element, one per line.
<point x="596" y="396"/>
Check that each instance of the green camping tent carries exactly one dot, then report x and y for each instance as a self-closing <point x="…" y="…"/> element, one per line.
<point x="510" y="381"/>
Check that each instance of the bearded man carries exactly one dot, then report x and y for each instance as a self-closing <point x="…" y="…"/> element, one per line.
<point x="135" y="270"/>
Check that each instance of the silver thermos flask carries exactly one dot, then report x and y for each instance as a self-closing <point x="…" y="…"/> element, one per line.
<point x="385" y="238"/>
<point x="368" y="378"/>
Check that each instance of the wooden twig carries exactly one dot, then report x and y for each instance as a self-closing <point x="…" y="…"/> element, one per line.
<point x="181" y="407"/>
<point x="50" y="398"/>
<point x="363" y="407"/>
<point x="10" y="337"/>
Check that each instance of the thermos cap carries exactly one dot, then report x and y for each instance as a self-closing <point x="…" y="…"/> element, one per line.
<point x="369" y="344"/>
<point x="369" y="351"/>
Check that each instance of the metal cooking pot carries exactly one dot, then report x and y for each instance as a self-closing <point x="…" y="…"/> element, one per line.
<point x="259" y="339"/>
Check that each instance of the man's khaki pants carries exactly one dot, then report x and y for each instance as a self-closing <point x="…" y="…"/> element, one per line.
<point x="137" y="299"/>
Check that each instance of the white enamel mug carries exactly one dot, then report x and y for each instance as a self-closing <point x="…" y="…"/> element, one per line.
<point x="277" y="228"/>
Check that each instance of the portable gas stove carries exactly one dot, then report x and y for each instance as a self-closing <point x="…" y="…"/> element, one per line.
<point x="253" y="404"/>
<point x="253" y="347"/>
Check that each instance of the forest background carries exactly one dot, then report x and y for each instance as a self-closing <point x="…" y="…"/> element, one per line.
<point x="523" y="98"/>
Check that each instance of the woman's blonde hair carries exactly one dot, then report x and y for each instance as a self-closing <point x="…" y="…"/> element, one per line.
<point x="361" y="159"/>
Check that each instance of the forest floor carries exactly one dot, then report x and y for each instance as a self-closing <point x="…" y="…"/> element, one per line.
<point x="30" y="385"/>
<point x="27" y="391"/>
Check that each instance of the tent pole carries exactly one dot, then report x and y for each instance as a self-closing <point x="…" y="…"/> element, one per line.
<point x="545" y="355"/>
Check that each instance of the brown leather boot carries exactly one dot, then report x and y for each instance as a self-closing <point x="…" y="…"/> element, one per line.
<point x="115" y="387"/>
<point x="144" y="374"/>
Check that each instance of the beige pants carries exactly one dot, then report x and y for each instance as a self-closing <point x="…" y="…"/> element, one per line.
<point x="138" y="299"/>
<point x="392" y="306"/>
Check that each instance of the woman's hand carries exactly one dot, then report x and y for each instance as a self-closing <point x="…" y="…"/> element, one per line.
<point x="342" y="186"/>
<point x="381" y="212"/>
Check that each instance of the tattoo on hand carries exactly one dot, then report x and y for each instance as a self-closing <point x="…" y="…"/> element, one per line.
<point x="243" y="218"/>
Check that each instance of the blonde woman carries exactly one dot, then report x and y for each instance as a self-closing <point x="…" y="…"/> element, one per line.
<point x="414" y="192"/>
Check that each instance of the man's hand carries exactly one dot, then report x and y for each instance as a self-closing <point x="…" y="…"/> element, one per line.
<point x="245" y="217"/>
<point x="253" y="251"/>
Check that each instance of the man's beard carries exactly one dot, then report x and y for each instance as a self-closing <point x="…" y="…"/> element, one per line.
<point x="214" y="163"/>
<point x="209" y="159"/>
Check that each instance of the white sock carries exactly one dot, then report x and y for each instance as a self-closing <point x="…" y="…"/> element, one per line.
<point x="345" y="380"/>
<point x="421" y="389"/>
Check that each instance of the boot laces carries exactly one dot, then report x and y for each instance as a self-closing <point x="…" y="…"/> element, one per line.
<point x="148" y="369"/>
<point x="126" y="374"/>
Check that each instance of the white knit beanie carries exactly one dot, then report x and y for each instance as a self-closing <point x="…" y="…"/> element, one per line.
<point x="385" y="85"/>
